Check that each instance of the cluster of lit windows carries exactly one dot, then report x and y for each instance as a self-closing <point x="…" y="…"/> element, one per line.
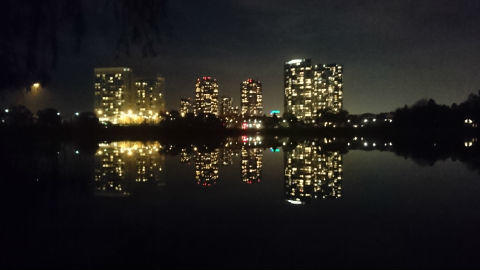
<point x="308" y="90"/>
<point x="119" y="101"/>
<point x="118" y="161"/>
<point x="149" y="100"/>
<point x="311" y="173"/>
<point x="227" y="110"/>
<point x="328" y="84"/>
<point x="206" y="96"/>
<point x="185" y="106"/>
<point x="251" y="98"/>
<point x="251" y="165"/>
<point x="110" y="97"/>
<point x="298" y="88"/>
<point x="207" y="168"/>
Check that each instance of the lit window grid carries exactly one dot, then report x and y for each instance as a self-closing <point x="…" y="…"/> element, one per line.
<point x="206" y="96"/>
<point x="311" y="173"/>
<point x="251" y="164"/>
<point x="251" y="98"/>
<point x="207" y="168"/>
<point x="308" y="90"/>
<point x="117" y="162"/>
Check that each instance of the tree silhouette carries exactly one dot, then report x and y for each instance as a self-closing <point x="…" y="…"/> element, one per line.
<point x="19" y="116"/>
<point x="49" y="118"/>
<point x="30" y="31"/>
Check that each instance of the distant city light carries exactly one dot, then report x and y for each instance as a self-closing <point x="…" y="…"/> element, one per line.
<point x="295" y="61"/>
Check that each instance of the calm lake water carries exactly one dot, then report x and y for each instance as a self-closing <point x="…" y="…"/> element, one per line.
<point x="242" y="205"/>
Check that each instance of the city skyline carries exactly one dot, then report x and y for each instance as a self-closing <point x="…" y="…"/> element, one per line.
<point x="182" y="134"/>
<point x="393" y="57"/>
<point x="309" y="90"/>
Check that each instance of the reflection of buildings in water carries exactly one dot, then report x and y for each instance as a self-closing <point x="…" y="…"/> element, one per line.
<point x="148" y="163"/>
<point x="311" y="173"/>
<point x="251" y="140"/>
<point x="206" y="168"/>
<point x="118" y="162"/>
<point x="251" y="165"/>
<point x="226" y="156"/>
<point x="185" y="156"/>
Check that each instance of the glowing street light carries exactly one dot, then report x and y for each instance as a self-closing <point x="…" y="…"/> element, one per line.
<point x="35" y="86"/>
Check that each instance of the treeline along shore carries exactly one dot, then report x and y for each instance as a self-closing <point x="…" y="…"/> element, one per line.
<point x="424" y="120"/>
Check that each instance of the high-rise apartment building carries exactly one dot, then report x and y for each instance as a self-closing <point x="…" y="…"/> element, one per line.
<point x="185" y="106"/>
<point x="149" y="98"/>
<point x="226" y="108"/>
<point x="113" y="93"/>
<point x="328" y="84"/>
<point x="310" y="89"/>
<point x="206" y="96"/>
<point x="120" y="100"/>
<point x="251" y="98"/>
<point x="299" y="91"/>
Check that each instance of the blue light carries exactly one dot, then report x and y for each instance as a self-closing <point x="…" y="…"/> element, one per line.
<point x="274" y="112"/>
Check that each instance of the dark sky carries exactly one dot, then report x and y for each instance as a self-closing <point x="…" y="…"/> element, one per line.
<point x="393" y="52"/>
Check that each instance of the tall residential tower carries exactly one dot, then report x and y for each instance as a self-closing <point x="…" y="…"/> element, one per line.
<point x="310" y="89"/>
<point x="328" y="84"/>
<point x="206" y="96"/>
<point x="149" y="98"/>
<point x="299" y="92"/>
<point x="251" y="98"/>
<point x="113" y="95"/>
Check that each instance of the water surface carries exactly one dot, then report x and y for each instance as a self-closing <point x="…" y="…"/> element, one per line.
<point x="244" y="204"/>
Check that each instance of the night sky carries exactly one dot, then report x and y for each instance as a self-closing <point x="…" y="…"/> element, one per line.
<point x="393" y="52"/>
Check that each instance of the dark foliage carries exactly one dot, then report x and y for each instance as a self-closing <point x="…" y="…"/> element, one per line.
<point x="428" y="115"/>
<point x="30" y="32"/>
<point x="205" y="122"/>
<point x="49" y="118"/>
<point x="17" y="116"/>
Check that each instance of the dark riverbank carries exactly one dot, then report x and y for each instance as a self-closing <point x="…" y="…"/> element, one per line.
<point x="152" y="132"/>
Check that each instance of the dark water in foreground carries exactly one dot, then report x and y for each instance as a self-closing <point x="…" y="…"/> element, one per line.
<point x="134" y="204"/>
